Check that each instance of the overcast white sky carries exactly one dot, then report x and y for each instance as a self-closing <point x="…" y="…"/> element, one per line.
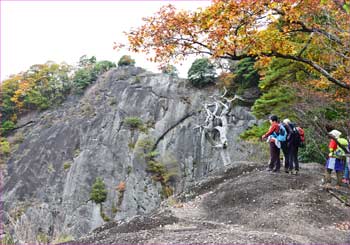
<point x="33" y="32"/>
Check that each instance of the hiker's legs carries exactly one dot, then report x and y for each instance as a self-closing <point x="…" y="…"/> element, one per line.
<point x="284" y="147"/>
<point x="275" y="157"/>
<point x="278" y="163"/>
<point x="295" y="157"/>
<point x="291" y="154"/>
<point x="346" y="172"/>
<point x="328" y="173"/>
<point x="339" y="176"/>
<point x="272" y="155"/>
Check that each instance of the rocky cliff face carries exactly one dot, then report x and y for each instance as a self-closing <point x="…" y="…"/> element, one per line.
<point x="48" y="179"/>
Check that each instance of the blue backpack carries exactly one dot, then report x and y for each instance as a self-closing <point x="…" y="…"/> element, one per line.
<point x="282" y="133"/>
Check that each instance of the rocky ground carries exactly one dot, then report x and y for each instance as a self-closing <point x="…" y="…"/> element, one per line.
<point x="241" y="204"/>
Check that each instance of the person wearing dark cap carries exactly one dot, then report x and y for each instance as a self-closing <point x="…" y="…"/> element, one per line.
<point x="275" y="162"/>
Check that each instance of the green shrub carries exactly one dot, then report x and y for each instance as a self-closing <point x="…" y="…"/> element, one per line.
<point x="42" y="238"/>
<point x="85" y="62"/>
<point x="98" y="192"/>
<point x="170" y="175"/>
<point x="67" y="165"/>
<point x="5" y="148"/>
<point x="128" y="170"/>
<point x="120" y="198"/>
<point x="83" y="78"/>
<point x="167" y="191"/>
<point x="146" y="144"/>
<point x="277" y="101"/>
<point x="201" y="73"/>
<point x="7" y="126"/>
<point x="246" y="76"/>
<point x="103" y="66"/>
<point x="170" y="70"/>
<point x="126" y="60"/>
<point x="77" y="152"/>
<point x="63" y="239"/>
<point x="89" y="71"/>
<point x="255" y="132"/>
<point x="156" y="168"/>
<point x="50" y="168"/>
<point x="151" y="155"/>
<point x="114" y="209"/>
<point x="105" y="217"/>
<point x="315" y="149"/>
<point x="346" y="7"/>
<point x="137" y="80"/>
<point x="35" y="99"/>
<point x="131" y="145"/>
<point x="7" y="239"/>
<point x="133" y="122"/>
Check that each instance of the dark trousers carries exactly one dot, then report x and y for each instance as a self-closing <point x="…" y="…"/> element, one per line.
<point x="274" y="157"/>
<point x="285" y="150"/>
<point x="293" y="157"/>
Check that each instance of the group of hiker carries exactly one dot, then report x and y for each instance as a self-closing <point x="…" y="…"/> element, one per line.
<point x="288" y="136"/>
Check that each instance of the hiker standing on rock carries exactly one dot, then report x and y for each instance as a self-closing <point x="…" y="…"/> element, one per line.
<point x="336" y="158"/>
<point x="295" y="138"/>
<point x="285" y="146"/>
<point x="275" y="145"/>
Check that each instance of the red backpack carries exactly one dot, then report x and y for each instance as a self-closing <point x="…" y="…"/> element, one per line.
<point x="301" y="133"/>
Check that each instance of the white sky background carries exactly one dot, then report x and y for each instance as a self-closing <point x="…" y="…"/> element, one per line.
<point x="33" y="32"/>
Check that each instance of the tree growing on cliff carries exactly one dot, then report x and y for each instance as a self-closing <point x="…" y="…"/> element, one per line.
<point x="170" y="70"/>
<point x="126" y="60"/>
<point x="99" y="195"/>
<point x="88" y="72"/>
<point x="98" y="192"/>
<point x="201" y="73"/>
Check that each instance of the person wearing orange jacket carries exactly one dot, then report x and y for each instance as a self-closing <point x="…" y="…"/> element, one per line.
<point x="275" y="162"/>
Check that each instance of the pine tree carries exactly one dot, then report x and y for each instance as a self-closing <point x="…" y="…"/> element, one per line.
<point x="98" y="192"/>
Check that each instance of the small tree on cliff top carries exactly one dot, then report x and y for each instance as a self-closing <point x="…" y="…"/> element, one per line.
<point x="201" y="73"/>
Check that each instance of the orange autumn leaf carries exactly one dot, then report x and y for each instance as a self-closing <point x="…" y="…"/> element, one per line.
<point x="304" y="31"/>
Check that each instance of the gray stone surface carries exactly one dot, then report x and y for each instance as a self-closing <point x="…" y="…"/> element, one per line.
<point x="88" y="134"/>
<point x="240" y="204"/>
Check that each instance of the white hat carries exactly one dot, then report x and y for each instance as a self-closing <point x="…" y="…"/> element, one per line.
<point x="335" y="133"/>
<point x="286" y="121"/>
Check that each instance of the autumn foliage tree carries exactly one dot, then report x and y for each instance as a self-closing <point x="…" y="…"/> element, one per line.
<point x="313" y="32"/>
<point x="43" y="86"/>
<point x="300" y="48"/>
<point x="38" y="88"/>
